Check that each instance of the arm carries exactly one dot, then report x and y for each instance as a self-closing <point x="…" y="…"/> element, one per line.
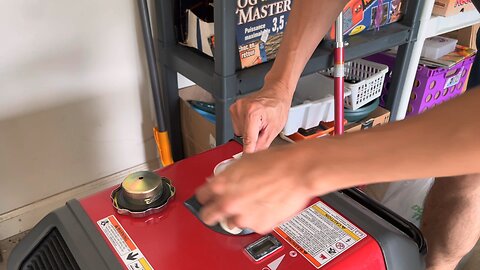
<point x="263" y="189"/>
<point x="444" y="141"/>
<point x="261" y="116"/>
<point x="308" y="23"/>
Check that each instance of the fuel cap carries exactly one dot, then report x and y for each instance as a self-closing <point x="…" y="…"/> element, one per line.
<point x="142" y="193"/>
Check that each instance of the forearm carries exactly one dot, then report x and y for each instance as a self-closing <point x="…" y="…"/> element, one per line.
<point x="308" y="23"/>
<point x="444" y="141"/>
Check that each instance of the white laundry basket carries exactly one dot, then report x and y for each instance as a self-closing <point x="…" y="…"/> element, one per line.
<point x="368" y="80"/>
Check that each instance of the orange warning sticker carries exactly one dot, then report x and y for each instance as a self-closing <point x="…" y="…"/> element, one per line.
<point x="121" y="232"/>
<point x="320" y="234"/>
<point x="297" y="247"/>
<point x="123" y="244"/>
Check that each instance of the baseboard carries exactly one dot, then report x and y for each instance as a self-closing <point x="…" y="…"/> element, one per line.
<point x="25" y="217"/>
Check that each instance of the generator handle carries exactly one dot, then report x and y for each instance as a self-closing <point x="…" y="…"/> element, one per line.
<point x="388" y="215"/>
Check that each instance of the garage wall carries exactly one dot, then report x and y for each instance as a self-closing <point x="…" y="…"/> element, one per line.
<point x="74" y="96"/>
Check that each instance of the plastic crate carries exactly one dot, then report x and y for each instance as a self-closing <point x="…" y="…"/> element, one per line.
<point x="432" y="86"/>
<point x="312" y="103"/>
<point x="364" y="79"/>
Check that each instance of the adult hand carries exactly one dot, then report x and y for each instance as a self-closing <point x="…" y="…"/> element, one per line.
<point x="259" y="117"/>
<point x="259" y="191"/>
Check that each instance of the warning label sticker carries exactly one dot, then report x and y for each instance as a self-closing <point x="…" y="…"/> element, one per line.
<point x="320" y="234"/>
<point x="124" y="246"/>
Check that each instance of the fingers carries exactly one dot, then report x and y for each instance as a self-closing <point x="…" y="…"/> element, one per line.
<point x="210" y="195"/>
<point x="208" y="191"/>
<point x="231" y="223"/>
<point x="218" y="209"/>
<point x="253" y="126"/>
<point x="211" y="214"/>
<point x="265" y="139"/>
<point x="204" y="194"/>
<point x="247" y="222"/>
<point x="246" y="123"/>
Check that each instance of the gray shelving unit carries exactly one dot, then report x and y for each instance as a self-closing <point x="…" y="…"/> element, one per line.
<point x="223" y="78"/>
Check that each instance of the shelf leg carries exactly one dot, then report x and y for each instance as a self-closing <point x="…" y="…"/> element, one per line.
<point x="224" y="128"/>
<point x="408" y="58"/>
<point x="400" y="87"/>
<point x="225" y="78"/>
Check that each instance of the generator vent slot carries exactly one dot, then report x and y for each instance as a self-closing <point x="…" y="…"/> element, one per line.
<point x="51" y="253"/>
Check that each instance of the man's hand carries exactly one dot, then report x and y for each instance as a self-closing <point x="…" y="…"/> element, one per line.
<point x="260" y="117"/>
<point x="259" y="191"/>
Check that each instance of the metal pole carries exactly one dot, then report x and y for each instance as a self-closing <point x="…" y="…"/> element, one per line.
<point x="152" y="65"/>
<point x="160" y="133"/>
<point x="339" y="73"/>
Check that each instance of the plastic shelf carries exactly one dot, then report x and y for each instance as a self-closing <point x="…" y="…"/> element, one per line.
<point x="199" y="68"/>
<point x="225" y="81"/>
<point x="430" y="26"/>
<point x="438" y="25"/>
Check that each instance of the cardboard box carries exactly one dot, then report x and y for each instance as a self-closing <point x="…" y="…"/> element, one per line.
<point x="198" y="133"/>
<point x="361" y="15"/>
<point x="466" y="36"/>
<point x="378" y="117"/>
<point x="451" y="7"/>
<point x="259" y="30"/>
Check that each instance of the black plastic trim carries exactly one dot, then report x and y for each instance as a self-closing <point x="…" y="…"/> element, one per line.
<point x="80" y="234"/>
<point x="395" y="245"/>
<point x="396" y="220"/>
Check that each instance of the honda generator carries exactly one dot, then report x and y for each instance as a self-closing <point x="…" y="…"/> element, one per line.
<point x="150" y="221"/>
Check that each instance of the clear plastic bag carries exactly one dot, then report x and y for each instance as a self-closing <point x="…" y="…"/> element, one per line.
<point x="406" y="198"/>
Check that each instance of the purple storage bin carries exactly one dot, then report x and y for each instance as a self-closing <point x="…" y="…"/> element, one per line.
<point x="432" y="86"/>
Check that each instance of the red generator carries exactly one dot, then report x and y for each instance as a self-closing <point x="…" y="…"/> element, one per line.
<point x="158" y="228"/>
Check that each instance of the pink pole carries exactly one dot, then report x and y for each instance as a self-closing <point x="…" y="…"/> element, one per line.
<point x="339" y="73"/>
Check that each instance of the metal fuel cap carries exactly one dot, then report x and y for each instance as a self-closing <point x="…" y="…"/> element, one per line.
<point x="142" y="193"/>
<point x="142" y="187"/>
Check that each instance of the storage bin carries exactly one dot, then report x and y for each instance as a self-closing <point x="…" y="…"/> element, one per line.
<point x="313" y="100"/>
<point x="432" y="86"/>
<point x="436" y="47"/>
<point x="364" y="79"/>
<point x="312" y="103"/>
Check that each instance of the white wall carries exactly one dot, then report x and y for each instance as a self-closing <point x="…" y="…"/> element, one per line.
<point x="74" y="96"/>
